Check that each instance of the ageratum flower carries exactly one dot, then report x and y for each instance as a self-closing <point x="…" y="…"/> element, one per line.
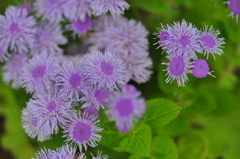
<point x="180" y="40"/>
<point x="12" y="69"/>
<point x="51" y="10"/>
<point x="105" y="70"/>
<point x="94" y="97"/>
<point x="17" y="29"/>
<point x="210" y="43"/>
<point x="234" y="6"/>
<point x="30" y="123"/>
<point x="77" y="9"/>
<point x="82" y="132"/>
<point x="200" y="68"/>
<point x="117" y="7"/>
<point x="72" y="80"/>
<point x="48" y="37"/>
<point x="177" y="69"/>
<point x="44" y="154"/>
<point x="52" y="108"/>
<point x="126" y="107"/>
<point x="38" y="73"/>
<point x="90" y="111"/>
<point x="163" y="35"/>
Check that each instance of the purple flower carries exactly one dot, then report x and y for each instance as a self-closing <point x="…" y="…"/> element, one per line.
<point x="72" y="80"/>
<point x="180" y="40"/>
<point x="90" y="111"/>
<point x="80" y="27"/>
<point x="210" y="43"/>
<point x="99" y="156"/>
<point x="234" y="7"/>
<point x="51" y="10"/>
<point x="27" y="7"/>
<point x="48" y="37"/>
<point x="4" y="55"/>
<point x="163" y="35"/>
<point x="83" y="131"/>
<point x="52" y="108"/>
<point x="38" y="73"/>
<point x="138" y="66"/>
<point x="30" y="123"/>
<point x="105" y="70"/>
<point x="17" y="29"/>
<point x="44" y="154"/>
<point x="94" y="97"/>
<point x="12" y="69"/>
<point x="201" y="68"/>
<point x="178" y="68"/>
<point x="117" y="7"/>
<point x="126" y="107"/>
<point x="77" y="9"/>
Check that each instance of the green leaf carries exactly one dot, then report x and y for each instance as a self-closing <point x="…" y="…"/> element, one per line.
<point x="164" y="147"/>
<point x="160" y="112"/>
<point x="111" y="137"/>
<point x="139" y="142"/>
<point x="193" y="146"/>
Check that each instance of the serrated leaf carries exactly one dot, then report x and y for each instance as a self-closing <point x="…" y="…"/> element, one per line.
<point x="160" y="112"/>
<point x="139" y="142"/>
<point x="164" y="147"/>
<point x="111" y="137"/>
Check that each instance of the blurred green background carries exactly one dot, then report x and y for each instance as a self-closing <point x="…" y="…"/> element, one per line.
<point x="209" y="124"/>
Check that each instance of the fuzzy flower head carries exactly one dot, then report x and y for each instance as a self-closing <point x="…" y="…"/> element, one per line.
<point x="181" y="40"/>
<point x="90" y="111"/>
<point x="51" y="10"/>
<point x="178" y="68"/>
<point x="17" y="29"/>
<point x="53" y="108"/>
<point x="200" y="68"/>
<point x="80" y="27"/>
<point x="94" y="97"/>
<point x="12" y="69"/>
<point x="48" y="37"/>
<point x="163" y="35"/>
<point x="83" y="132"/>
<point x="234" y="6"/>
<point x="72" y="80"/>
<point x="210" y="43"/>
<point x="115" y="7"/>
<point x="38" y="73"/>
<point x="44" y="154"/>
<point x="126" y="107"/>
<point x="105" y="70"/>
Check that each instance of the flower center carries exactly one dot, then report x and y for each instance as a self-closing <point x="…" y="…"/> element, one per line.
<point x="82" y="26"/>
<point x="103" y="96"/>
<point x="74" y="80"/>
<point x="208" y="41"/>
<point x="38" y="71"/>
<point x="235" y="6"/>
<point x="184" y="40"/>
<point x="124" y="107"/>
<point x="176" y="66"/>
<point x="82" y="132"/>
<point x="14" y="28"/>
<point x="51" y="106"/>
<point x="107" y="68"/>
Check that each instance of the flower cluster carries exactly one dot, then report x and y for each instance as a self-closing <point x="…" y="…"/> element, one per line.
<point x="181" y="41"/>
<point x="69" y="87"/>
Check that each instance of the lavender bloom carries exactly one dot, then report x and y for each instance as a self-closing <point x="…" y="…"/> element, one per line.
<point x="72" y="80"/>
<point x="138" y="67"/>
<point x="234" y="7"/>
<point x="95" y="97"/>
<point x="30" y="123"/>
<point x="44" y="154"/>
<point x="48" y="37"/>
<point x="181" y="40"/>
<point x="80" y="27"/>
<point x="83" y="132"/>
<point x="201" y="68"/>
<point x="117" y="7"/>
<point x="17" y="29"/>
<point x="126" y="107"/>
<point x="105" y="70"/>
<point x="210" y="43"/>
<point x="12" y="69"/>
<point x="4" y="55"/>
<point x="163" y="35"/>
<point x="99" y="156"/>
<point x="90" y="111"/>
<point x="51" y="10"/>
<point x="178" y="68"/>
<point x="38" y="74"/>
<point x="77" y="9"/>
<point x="52" y="109"/>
